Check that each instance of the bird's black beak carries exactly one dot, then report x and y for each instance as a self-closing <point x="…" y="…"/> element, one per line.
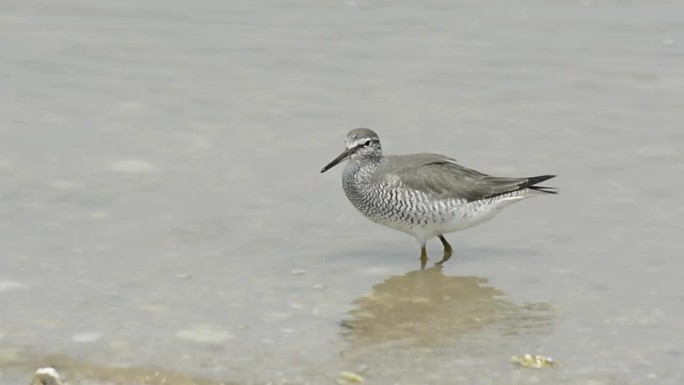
<point x="343" y="156"/>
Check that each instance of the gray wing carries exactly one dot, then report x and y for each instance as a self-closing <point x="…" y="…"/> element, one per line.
<point x="440" y="176"/>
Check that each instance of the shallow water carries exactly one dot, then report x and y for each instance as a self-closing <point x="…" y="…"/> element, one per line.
<point x="161" y="204"/>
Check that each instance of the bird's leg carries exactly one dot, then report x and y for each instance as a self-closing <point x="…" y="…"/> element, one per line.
<point x="447" y="250"/>
<point x="423" y="257"/>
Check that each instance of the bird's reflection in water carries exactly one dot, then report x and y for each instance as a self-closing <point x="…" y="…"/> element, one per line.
<point x="426" y="306"/>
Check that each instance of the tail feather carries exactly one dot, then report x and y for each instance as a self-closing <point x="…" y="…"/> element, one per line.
<point x="532" y="182"/>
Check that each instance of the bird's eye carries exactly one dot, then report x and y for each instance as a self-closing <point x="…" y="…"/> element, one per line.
<point x="367" y="143"/>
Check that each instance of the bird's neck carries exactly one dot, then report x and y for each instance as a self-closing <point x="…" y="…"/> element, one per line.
<point x="363" y="168"/>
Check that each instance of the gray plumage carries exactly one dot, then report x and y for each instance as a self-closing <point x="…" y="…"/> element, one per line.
<point x="442" y="178"/>
<point x="425" y="195"/>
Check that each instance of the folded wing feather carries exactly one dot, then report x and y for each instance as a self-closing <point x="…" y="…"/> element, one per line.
<point x="440" y="176"/>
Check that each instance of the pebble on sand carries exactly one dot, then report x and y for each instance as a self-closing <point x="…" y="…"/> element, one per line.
<point x="349" y="378"/>
<point x="532" y="361"/>
<point x="46" y="376"/>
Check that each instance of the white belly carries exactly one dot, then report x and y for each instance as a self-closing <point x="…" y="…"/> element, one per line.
<point x="460" y="217"/>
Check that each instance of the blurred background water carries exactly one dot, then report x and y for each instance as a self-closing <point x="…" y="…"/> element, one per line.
<point x="161" y="204"/>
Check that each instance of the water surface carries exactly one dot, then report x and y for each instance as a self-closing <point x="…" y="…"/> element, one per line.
<point x="161" y="206"/>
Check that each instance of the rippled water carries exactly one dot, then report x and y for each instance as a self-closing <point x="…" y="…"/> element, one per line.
<point x="162" y="210"/>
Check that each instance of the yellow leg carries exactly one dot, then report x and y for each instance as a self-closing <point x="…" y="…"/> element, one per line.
<point x="447" y="250"/>
<point x="423" y="257"/>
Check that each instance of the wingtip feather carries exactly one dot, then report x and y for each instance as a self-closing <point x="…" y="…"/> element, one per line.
<point x="533" y="181"/>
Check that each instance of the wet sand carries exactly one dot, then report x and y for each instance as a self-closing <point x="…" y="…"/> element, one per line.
<point x="161" y="204"/>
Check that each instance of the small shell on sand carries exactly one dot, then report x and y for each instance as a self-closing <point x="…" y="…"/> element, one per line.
<point x="46" y="376"/>
<point x="349" y="378"/>
<point x="532" y="361"/>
